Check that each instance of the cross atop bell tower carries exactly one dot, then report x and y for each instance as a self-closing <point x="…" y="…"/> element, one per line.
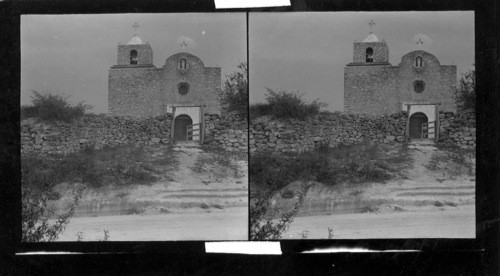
<point x="135" y="26"/>
<point x="372" y="23"/>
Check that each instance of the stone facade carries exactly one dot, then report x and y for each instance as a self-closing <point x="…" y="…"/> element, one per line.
<point x="376" y="87"/>
<point x="137" y="88"/>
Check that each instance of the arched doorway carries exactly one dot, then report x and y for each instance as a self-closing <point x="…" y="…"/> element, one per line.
<point x="416" y="121"/>
<point x="180" y="127"/>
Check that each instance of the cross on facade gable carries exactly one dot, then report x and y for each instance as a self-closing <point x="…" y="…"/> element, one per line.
<point x="420" y="42"/>
<point x="372" y="23"/>
<point x="184" y="45"/>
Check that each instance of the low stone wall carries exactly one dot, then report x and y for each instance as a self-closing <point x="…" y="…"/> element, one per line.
<point x="458" y="129"/>
<point x="332" y="128"/>
<point x="229" y="131"/>
<point x="99" y="130"/>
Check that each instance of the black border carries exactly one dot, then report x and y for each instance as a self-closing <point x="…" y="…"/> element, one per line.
<point x="446" y="256"/>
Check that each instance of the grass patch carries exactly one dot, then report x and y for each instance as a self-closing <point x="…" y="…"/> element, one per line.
<point x="367" y="162"/>
<point x="454" y="160"/>
<point x="218" y="163"/>
<point x="122" y="165"/>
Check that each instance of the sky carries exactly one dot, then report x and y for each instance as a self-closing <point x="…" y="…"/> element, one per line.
<point x="70" y="55"/>
<point x="307" y="52"/>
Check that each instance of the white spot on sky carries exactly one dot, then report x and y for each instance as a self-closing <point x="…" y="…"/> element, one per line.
<point x="203" y="32"/>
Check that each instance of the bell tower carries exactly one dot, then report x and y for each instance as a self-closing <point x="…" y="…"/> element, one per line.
<point x="370" y="51"/>
<point x="135" y="53"/>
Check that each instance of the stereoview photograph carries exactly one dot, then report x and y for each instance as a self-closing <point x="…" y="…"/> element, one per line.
<point x="362" y="125"/>
<point x="134" y="127"/>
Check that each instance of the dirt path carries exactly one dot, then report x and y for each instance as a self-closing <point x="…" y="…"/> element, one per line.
<point x="449" y="223"/>
<point x="430" y="202"/>
<point x="227" y="224"/>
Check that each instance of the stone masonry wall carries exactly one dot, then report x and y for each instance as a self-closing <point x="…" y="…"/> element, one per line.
<point x="332" y="128"/>
<point x="230" y="132"/>
<point x="383" y="89"/>
<point x="101" y="130"/>
<point x="458" y="129"/>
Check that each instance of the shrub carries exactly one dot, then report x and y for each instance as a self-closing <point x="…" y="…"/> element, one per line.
<point x="267" y="222"/>
<point x="465" y="91"/>
<point x="48" y="107"/>
<point x="288" y="194"/>
<point x="35" y="215"/>
<point x="118" y="165"/>
<point x="330" y="166"/>
<point x="234" y="95"/>
<point x="285" y="105"/>
<point x="260" y="109"/>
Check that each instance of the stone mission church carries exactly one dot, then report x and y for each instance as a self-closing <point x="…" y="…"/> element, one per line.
<point x="182" y="86"/>
<point x="419" y="85"/>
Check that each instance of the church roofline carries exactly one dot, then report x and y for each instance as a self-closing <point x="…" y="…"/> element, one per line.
<point x="368" y="63"/>
<point x="133" y="66"/>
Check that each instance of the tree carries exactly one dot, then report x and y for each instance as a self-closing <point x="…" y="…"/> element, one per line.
<point x="234" y="95"/>
<point x="465" y="91"/>
<point x="48" y="107"/>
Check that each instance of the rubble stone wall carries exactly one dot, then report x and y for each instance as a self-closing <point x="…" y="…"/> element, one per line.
<point x="230" y="132"/>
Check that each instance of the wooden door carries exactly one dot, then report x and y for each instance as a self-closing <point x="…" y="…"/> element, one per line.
<point x="181" y="124"/>
<point x="416" y="122"/>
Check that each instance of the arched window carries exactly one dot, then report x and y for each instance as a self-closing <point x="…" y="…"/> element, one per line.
<point x="183" y="88"/>
<point x="369" y="55"/>
<point x="183" y="64"/>
<point x="133" y="57"/>
<point x="418" y="62"/>
<point x="419" y="86"/>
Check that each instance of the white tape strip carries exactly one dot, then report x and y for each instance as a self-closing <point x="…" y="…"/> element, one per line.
<point x="239" y="4"/>
<point x="260" y="248"/>
<point x="353" y="250"/>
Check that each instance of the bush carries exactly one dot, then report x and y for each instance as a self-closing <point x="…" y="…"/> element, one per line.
<point x="285" y="105"/>
<point x="354" y="163"/>
<point x="35" y="215"/>
<point x="118" y="165"/>
<point x="234" y="95"/>
<point x="465" y="91"/>
<point x="50" y="108"/>
<point x="268" y="222"/>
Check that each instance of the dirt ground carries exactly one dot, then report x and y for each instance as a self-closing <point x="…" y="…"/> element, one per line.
<point x="195" y="199"/>
<point x="434" y="199"/>
<point x="226" y="224"/>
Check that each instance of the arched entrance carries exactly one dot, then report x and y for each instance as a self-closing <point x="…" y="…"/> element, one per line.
<point x="416" y="121"/>
<point x="180" y="127"/>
